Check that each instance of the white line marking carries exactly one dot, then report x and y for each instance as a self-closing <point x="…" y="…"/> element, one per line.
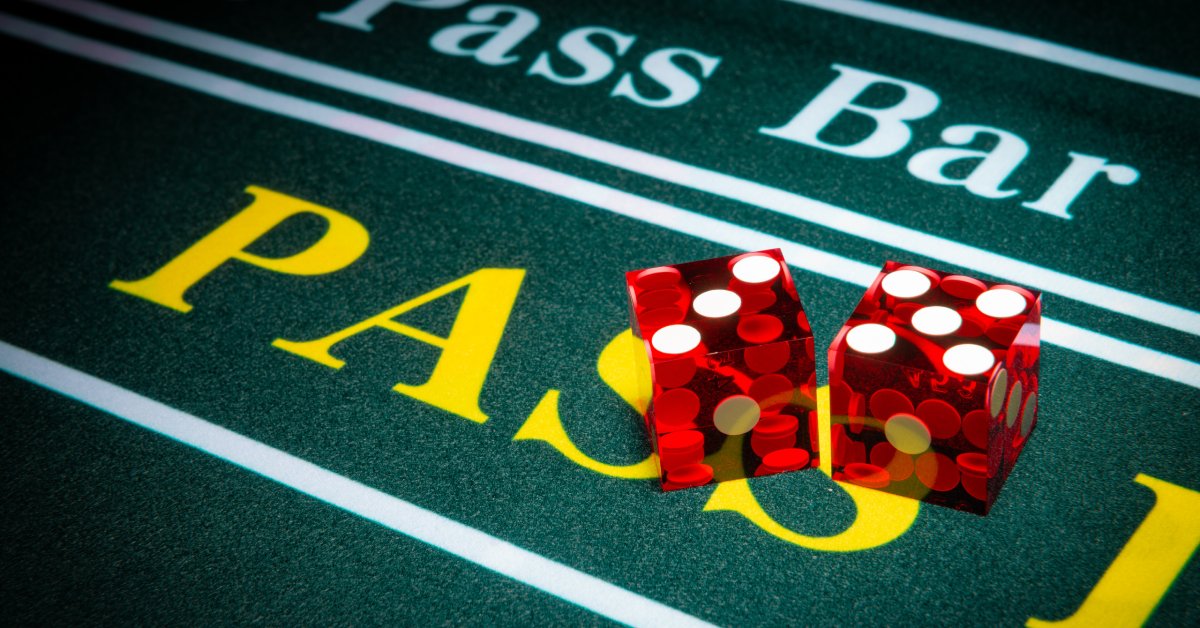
<point x="1005" y="41"/>
<point x="404" y="517"/>
<point x="720" y="184"/>
<point x="554" y="182"/>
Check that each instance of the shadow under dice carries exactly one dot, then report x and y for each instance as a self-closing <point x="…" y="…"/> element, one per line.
<point x="732" y="365"/>
<point x="933" y="386"/>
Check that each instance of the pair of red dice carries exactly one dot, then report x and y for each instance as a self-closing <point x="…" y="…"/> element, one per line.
<point x="932" y="381"/>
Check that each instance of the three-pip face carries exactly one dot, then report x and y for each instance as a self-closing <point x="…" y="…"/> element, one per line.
<point x="731" y="359"/>
<point x="933" y="379"/>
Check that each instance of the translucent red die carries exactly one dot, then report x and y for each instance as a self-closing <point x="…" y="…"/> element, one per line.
<point x="933" y="386"/>
<point x="732" y="366"/>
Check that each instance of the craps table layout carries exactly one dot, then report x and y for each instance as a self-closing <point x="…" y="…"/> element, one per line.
<point x="314" y="312"/>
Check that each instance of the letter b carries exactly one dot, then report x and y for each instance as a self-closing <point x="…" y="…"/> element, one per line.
<point x="891" y="133"/>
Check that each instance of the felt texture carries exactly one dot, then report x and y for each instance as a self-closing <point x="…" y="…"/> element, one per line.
<point x="108" y="175"/>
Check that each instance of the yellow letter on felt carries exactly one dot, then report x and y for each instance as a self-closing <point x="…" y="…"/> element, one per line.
<point x="343" y="242"/>
<point x="457" y="378"/>
<point x="545" y="424"/>
<point x="1142" y="573"/>
<point x="879" y="519"/>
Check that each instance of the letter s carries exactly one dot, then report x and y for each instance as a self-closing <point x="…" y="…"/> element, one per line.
<point x="576" y="45"/>
<point x="660" y="66"/>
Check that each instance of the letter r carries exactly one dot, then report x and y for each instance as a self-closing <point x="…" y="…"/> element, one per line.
<point x="890" y="134"/>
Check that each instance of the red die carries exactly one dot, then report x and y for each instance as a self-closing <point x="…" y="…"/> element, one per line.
<point x="933" y="386"/>
<point x="732" y="366"/>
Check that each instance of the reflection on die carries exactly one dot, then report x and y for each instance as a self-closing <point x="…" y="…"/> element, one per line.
<point x="732" y="365"/>
<point x="933" y="386"/>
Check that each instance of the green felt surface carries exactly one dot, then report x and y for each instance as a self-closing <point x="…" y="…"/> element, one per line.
<point x="109" y="175"/>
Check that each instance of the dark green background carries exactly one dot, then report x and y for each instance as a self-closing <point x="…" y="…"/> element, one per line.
<point x="109" y="175"/>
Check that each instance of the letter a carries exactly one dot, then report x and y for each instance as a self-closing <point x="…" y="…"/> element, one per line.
<point x="467" y="353"/>
<point x="360" y="13"/>
<point x="994" y="165"/>
<point x="343" y="242"/>
<point x="502" y="38"/>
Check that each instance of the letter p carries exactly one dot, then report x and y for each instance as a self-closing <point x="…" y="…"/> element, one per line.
<point x="343" y="242"/>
